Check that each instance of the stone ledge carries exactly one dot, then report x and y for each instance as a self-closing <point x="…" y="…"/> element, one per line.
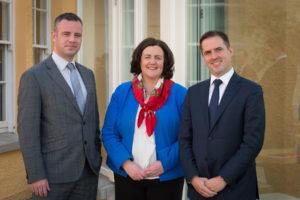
<point x="9" y="142"/>
<point x="106" y="188"/>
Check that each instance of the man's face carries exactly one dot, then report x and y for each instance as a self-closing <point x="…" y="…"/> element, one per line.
<point x="217" y="55"/>
<point x="67" y="39"/>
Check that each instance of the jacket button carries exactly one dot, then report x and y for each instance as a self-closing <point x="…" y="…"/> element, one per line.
<point x="210" y="138"/>
<point x="85" y="142"/>
<point x="83" y="123"/>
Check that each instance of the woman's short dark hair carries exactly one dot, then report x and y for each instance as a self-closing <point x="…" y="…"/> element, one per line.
<point x="168" y="68"/>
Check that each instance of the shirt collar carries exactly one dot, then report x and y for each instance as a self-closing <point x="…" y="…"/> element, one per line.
<point x="158" y="84"/>
<point x="60" y="62"/>
<point x="225" y="78"/>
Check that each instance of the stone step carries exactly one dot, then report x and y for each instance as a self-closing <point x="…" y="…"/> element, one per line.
<point x="106" y="189"/>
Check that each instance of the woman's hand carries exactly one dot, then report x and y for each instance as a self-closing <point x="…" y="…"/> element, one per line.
<point x="133" y="170"/>
<point x="155" y="169"/>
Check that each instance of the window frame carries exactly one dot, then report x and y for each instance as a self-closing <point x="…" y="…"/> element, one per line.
<point x="207" y="22"/>
<point x="7" y="125"/>
<point x="44" y="49"/>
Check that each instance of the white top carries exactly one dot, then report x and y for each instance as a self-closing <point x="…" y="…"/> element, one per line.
<point x="65" y="72"/>
<point x="225" y="80"/>
<point x="143" y="147"/>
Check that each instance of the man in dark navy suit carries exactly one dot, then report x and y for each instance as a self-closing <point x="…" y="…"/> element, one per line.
<point x="222" y="128"/>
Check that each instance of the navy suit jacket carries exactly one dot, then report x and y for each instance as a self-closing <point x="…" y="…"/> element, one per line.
<point x="229" y="148"/>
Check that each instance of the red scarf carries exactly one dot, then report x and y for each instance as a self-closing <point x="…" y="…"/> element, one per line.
<point x="155" y="101"/>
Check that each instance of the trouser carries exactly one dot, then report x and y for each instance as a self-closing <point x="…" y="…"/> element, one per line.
<point x="128" y="189"/>
<point x="85" y="188"/>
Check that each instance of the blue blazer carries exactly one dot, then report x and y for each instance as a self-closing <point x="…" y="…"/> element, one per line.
<point x="119" y="124"/>
<point x="229" y="148"/>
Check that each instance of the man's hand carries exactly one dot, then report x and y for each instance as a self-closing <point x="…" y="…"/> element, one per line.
<point x="155" y="169"/>
<point x="199" y="185"/>
<point x="133" y="170"/>
<point x="216" y="184"/>
<point x="40" y="188"/>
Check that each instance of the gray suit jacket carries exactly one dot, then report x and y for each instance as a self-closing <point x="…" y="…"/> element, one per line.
<point x="55" y="138"/>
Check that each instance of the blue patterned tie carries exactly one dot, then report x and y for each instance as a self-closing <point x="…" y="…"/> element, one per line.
<point x="214" y="102"/>
<point x="77" y="91"/>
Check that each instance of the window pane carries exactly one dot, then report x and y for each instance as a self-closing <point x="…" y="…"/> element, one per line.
<point x="2" y="107"/>
<point x="201" y="17"/>
<point x="38" y="55"/>
<point x="127" y="37"/>
<point x="153" y="18"/>
<point x="2" y="83"/>
<point x="194" y="20"/>
<point x="128" y="5"/>
<point x="41" y="27"/>
<point x="193" y="60"/>
<point x="41" y="4"/>
<point x="2" y="62"/>
<point x="4" y="19"/>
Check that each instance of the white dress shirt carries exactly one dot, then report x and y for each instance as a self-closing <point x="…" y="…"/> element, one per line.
<point x="65" y="72"/>
<point x="225" y="80"/>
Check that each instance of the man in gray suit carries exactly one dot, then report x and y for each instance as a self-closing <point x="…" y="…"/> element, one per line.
<point x="58" y="120"/>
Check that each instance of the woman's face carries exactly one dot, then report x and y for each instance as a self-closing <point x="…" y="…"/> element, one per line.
<point x="152" y="63"/>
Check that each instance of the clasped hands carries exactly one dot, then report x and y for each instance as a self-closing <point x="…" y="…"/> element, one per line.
<point x="137" y="173"/>
<point x="208" y="187"/>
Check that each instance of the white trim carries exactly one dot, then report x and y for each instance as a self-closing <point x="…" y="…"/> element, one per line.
<point x="9" y="72"/>
<point x="5" y="42"/>
<point x="173" y="32"/>
<point x="34" y="21"/>
<point x="12" y="76"/>
<point x="114" y="38"/>
<point x="48" y="28"/>
<point x="39" y="46"/>
<point x="80" y="14"/>
<point x="140" y="22"/>
<point x="47" y="46"/>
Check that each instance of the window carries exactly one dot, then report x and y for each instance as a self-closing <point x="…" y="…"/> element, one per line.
<point x="202" y="16"/>
<point x="127" y="38"/>
<point x="41" y="29"/>
<point x="6" y="69"/>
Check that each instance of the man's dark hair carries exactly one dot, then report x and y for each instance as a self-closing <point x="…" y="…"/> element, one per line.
<point x="66" y="16"/>
<point x="168" y="67"/>
<point x="210" y="34"/>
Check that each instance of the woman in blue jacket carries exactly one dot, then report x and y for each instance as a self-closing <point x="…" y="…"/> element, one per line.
<point x="140" y="131"/>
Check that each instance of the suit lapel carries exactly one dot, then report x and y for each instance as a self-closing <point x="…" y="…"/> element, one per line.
<point x="55" y="74"/>
<point x="201" y="112"/>
<point x="230" y="91"/>
<point x="201" y="104"/>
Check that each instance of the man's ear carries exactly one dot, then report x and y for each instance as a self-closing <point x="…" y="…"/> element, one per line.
<point x="231" y="50"/>
<point x="54" y="35"/>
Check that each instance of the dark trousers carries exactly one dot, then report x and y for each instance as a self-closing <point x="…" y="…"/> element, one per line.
<point x="128" y="189"/>
<point x="85" y="188"/>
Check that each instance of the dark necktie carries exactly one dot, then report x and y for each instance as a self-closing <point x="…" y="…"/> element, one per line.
<point x="76" y="87"/>
<point x="214" y="101"/>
